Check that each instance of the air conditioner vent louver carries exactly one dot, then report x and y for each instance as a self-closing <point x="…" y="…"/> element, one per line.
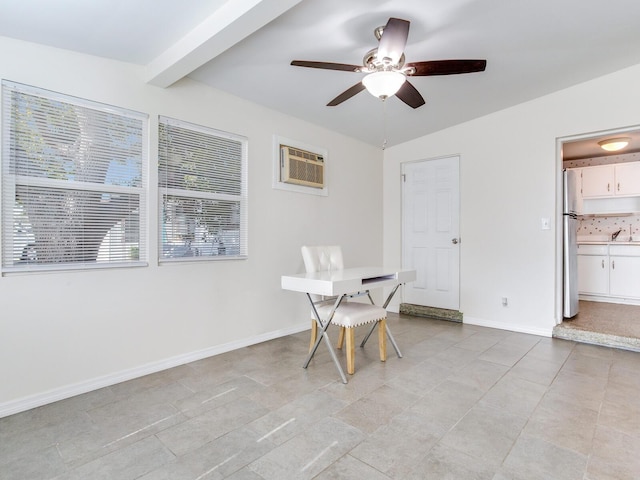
<point x="300" y="167"/>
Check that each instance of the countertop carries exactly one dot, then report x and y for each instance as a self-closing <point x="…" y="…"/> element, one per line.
<point x="605" y="242"/>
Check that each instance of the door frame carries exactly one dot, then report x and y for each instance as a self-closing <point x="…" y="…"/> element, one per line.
<point x="402" y="239"/>
<point x="560" y="141"/>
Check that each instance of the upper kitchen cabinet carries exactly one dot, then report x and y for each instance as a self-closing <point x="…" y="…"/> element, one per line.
<point x="627" y="177"/>
<point x="611" y="180"/>
<point x="597" y="181"/>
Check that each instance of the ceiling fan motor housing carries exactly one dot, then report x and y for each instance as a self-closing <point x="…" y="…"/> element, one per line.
<point x="372" y="63"/>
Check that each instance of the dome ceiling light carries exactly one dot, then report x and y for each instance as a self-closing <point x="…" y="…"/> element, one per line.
<point x="614" y="144"/>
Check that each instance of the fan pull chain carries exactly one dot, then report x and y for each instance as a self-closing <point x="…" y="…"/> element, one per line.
<point x="384" y="123"/>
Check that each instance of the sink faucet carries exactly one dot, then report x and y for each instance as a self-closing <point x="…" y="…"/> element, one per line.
<point x="614" y="235"/>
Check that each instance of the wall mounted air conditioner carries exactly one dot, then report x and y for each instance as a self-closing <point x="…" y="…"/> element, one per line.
<point x="301" y="167"/>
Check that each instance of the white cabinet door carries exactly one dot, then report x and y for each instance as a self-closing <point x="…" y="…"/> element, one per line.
<point x="598" y="181"/>
<point x="593" y="274"/>
<point x="624" y="277"/>
<point x="627" y="178"/>
<point x="609" y="180"/>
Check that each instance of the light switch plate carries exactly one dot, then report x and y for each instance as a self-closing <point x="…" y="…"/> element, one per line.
<point x="546" y="223"/>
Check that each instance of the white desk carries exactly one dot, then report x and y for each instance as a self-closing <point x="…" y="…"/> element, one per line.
<point x="341" y="284"/>
<point x="349" y="280"/>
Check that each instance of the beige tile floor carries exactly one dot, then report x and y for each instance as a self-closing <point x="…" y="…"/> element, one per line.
<point x="465" y="402"/>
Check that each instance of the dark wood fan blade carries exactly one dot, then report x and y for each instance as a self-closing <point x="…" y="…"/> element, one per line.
<point x="393" y="40"/>
<point x="346" y="95"/>
<point x="326" y="65"/>
<point x="446" y="67"/>
<point x="409" y="95"/>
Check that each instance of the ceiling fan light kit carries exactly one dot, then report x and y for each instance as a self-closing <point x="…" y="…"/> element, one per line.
<point x="614" y="144"/>
<point x="383" y="84"/>
<point x="386" y="70"/>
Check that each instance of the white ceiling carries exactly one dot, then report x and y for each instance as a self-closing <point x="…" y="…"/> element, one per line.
<point x="244" y="47"/>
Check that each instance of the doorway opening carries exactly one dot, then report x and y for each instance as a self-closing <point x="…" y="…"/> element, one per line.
<point x="608" y="240"/>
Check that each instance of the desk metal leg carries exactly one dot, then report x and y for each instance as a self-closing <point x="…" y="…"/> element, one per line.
<point x="323" y="334"/>
<point x="393" y="342"/>
<point x="391" y="339"/>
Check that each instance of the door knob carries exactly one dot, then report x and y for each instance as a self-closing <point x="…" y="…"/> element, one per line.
<point x="454" y="241"/>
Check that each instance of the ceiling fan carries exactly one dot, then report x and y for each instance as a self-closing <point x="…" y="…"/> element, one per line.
<point x="386" y="69"/>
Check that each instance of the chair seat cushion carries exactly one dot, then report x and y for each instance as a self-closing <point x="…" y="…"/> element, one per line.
<point x="352" y="314"/>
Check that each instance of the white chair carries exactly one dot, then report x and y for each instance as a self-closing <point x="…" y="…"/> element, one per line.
<point x="349" y="314"/>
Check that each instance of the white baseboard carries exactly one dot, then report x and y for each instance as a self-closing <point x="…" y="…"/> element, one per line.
<point x="605" y="299"/>
<point x="542" y="332"/>
<point x="44" y="398"/>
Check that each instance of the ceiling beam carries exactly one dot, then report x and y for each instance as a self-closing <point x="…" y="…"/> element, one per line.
<point x="231" y="23"/>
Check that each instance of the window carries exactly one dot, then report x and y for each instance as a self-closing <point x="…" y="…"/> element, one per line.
<point x="73" y="178"/>
<point x="203" y="190"/>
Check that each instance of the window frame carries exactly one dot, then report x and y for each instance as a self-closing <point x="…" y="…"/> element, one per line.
<point x="241" y="198"/>
<point x="10" y="182"/>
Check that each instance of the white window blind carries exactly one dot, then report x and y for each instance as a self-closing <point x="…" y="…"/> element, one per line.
<point x="202" y="178"/>
<point x="73" y="186"/>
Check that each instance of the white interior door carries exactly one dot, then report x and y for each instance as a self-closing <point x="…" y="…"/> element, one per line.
<point x="430" y="232"/>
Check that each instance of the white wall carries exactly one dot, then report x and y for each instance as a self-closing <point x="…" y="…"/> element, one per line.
<point x="64" y="333"/>
<point x="509" y="175"/>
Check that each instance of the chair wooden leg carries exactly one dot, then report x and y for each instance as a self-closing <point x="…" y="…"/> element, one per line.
<point x="351" y="351"/>
<point x="314" y="334"/>
<point x="382" y="339"/>
<point x="341" y="338"/>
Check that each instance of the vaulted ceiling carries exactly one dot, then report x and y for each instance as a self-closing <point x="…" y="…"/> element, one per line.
<point x="245" y="47"/>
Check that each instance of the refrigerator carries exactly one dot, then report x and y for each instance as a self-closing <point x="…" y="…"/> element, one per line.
<point x="570" y="247"/>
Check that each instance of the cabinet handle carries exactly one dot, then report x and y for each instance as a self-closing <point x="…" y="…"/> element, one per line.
<point x="602" y="263"/>
<point x="613" y="264"/>
<point x="608" y="185"/>
<point x="618" y="186"/>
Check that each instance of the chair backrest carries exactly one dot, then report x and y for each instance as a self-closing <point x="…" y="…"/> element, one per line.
<point x="322" y="258"/>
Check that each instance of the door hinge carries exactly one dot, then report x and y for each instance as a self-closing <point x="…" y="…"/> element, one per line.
<point x="404" y="177"/>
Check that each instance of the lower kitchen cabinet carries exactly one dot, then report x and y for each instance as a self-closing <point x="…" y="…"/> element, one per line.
<point x="609" y="271"/>
<point x="624" y="276"/>
<point x="593" y="274"/>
